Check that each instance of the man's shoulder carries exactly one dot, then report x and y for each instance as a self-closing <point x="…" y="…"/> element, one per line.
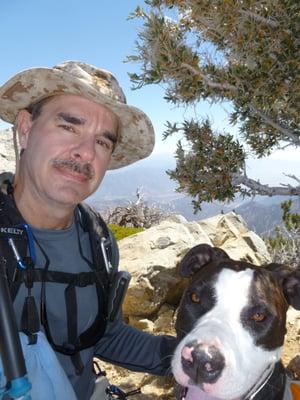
<point x="8" y="209"/>
<point x="90" y="215"/>
<point x="6" y="181"/>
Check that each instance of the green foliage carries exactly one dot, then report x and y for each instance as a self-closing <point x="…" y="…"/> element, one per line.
<point x="206" y="169"/>
<point x="120" y="232"/>
<point x="284" y="246"/>
<point x="245" y="53"/>
<point x="291" y="220"/>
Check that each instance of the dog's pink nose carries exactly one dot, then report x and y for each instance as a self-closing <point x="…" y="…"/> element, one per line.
<point x="203" y="364"/>
<point x="186" y="353"/>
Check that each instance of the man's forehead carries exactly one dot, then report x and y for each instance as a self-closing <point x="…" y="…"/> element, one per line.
<point x="70" y="100"/>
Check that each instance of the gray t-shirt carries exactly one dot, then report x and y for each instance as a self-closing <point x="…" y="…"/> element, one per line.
<point x="61" y="248"/>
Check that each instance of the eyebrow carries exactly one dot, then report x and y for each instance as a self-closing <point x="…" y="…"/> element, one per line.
<point x="71" y="119"/>
<point x="75" y="120"/>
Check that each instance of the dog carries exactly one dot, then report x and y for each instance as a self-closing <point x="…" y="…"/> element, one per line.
<point x="230" y="326"/>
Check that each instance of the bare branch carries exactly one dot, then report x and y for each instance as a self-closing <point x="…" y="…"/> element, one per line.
<point x="293" y="177"/>
<point x="259" y="18"/>
<point x="265" y="190"/>
<point x="207" y="80"/>
<point x="295" y="138"/>
<point x="226" y="86"/>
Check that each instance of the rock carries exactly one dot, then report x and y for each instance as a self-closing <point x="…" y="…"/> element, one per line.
<point x="7" y="153"/>
<point x="230" y="232"/>
<point x="164" y="324"/>
<point x="222" y="228"/>
<point x="176" y="218"/>
<point x="152" y="256"/>
<point x="143" y="324"/>
<point x="293" y="318"/>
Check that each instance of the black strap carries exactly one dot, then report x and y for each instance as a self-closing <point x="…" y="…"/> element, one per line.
<point x="30" y="322"/>
<point x="80" y="279"/>
<point x="71" y="309"/>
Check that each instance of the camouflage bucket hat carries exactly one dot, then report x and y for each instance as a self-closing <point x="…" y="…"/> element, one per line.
<point x="136" y="139"/>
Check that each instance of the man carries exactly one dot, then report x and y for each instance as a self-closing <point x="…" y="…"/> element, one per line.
<point x="72" y="124"/>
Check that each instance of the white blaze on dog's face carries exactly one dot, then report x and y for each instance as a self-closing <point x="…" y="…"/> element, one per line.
<point x="224" y="322"/>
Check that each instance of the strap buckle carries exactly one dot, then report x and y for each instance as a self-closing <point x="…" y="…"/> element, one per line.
<point x="83" y="279"/>
<point x="107" y="263"/>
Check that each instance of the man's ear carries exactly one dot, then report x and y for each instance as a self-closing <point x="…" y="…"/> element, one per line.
<point x="289" y="280"/>
<point x="24" y="124"/>
<point x="199" y="256"/>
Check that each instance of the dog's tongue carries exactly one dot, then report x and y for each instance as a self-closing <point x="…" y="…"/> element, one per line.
<point x="195" y="393"/>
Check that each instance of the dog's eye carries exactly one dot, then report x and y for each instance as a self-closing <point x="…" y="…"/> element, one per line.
<point x="258" y="317"/>
<point x="195" y="298"/>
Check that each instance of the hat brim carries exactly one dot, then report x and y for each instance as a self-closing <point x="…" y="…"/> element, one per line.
<point x="136" y="131"/>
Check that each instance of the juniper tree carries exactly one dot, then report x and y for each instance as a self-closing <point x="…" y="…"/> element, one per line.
<point x="242" y="52"/>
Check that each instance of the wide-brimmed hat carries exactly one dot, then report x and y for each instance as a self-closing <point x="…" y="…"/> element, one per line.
<point x="136" y="139"/>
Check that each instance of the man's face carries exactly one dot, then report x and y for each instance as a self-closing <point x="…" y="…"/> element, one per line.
<point x="68" y="148"/>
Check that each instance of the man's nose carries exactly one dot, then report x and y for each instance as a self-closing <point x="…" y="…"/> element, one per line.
<point x="84" y="150"/>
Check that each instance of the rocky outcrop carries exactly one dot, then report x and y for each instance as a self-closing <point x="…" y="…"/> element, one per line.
<point x="152" y="256"/>
<point x="7" y="154"/>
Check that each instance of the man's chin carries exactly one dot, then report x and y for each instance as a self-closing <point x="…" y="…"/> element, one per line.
<point x="69" y="196"/>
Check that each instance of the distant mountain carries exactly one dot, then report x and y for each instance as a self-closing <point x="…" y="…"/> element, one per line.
<point x="262" y="213"/>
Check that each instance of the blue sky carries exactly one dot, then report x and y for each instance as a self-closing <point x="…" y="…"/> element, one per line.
<point x="44" y="33"/>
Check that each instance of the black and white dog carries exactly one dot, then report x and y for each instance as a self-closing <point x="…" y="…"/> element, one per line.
<point x="231" y="327"/>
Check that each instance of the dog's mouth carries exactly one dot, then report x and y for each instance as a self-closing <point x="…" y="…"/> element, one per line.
<point x="199" y="392"/>
<point x="195" y="393"/>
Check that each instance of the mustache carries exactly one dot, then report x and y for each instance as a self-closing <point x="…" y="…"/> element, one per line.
<point x="75" y="166"/>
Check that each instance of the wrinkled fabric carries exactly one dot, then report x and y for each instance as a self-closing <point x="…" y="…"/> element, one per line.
<point x="47" y="377"/>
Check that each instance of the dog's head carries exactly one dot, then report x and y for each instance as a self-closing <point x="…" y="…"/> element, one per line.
<point x="231" y="321"/>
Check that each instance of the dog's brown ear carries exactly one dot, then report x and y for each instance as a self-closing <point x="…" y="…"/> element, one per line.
<point x="289" y="280"/>
<point x="291" y="289"/>
<point x="199" y="256"/>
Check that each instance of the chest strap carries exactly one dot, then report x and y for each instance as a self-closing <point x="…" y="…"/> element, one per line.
<point x="80" y="279"/>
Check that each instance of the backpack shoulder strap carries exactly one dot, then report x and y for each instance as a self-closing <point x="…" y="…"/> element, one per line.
<point x="10" y="216"/>
<point x="93" y="223"/>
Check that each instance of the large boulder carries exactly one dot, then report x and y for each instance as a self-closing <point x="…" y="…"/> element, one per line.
<point x="152" y="256"/>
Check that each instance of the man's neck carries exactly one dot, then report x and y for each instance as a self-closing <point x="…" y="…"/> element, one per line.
<point x="41" y="215"/>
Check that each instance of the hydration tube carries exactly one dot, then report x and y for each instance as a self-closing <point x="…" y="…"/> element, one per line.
<point x="18" y="385"/>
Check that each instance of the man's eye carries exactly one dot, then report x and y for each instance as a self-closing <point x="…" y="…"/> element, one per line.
<point x="68" y="128"/>
<point x="104" y="143"/>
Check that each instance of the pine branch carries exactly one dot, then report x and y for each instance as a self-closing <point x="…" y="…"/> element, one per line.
<point x="265" y="190"/>
<point x="207" y="80"/>
<point x="259" y="18"/>
<point x="293" y="177"/>
<point x="287" y="132"/>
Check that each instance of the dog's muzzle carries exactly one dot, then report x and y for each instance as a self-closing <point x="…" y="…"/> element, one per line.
<point x="202" y="363"/>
